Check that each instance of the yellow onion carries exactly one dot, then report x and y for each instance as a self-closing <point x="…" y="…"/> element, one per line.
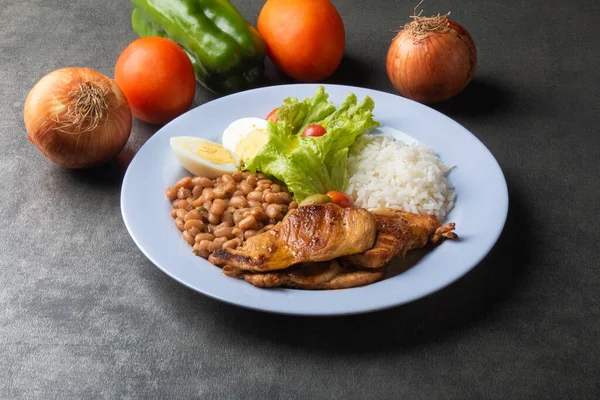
<point x="431" y="59"/>
<point x="77" y="117"/>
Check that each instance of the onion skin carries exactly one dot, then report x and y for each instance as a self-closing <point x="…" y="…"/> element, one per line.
<point x="433" y="68"/>
<point x="46" y="118"/>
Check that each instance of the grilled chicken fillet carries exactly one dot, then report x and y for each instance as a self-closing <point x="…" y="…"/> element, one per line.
<point x="324" y="275"/>
<point x="314" y="233"/>
<point x="397" y="233"/>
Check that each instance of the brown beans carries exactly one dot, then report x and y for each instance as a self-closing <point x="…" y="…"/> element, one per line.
<point x="183" y="193"/>
<point x="253" y="203"/>
<point x="219" y="192"/>
<point x="188" y="237"/>
<point x="224" y="231"/>
<point x="247" y="223"/>
<point x="232" y="244"/>
<point x="245" y="188"/>
<point x="238" y="202"/>
<point x="195" y="223"/>
<point x="213" y="219"/>
<point x="248" y="234"/>
<point x="293" y="204"/>
<point x="194" y="214"/>
<point x="184" y="183"/>
<point x="251" y="179"/>
<point x="223" y="212"/>
<point x="208" y="193"/>
<point x="218" y="207"/>
<point x="200" y="251"/>
<point x="204" y="236"/>
<point x="277" y="198"/>
<point x="259" y="214"/>
<point x="237" y="176"/>
<point x="214" y="246"/>
<point x="197" y="191"/>
<point x="171" y="193"/>
<point x="273" y="210"/>
<point x="255" y="196"/>
<point x="230" y="188"/>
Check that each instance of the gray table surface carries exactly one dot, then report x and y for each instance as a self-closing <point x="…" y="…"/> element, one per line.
<point x="83" y="314"/>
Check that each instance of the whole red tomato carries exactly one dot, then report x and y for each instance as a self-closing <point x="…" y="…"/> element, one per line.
<point x="305" y="39"/>
<point x="157" y="77"/>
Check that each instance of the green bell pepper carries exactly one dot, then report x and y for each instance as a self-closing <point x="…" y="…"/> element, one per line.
<point x="226" y="51"/>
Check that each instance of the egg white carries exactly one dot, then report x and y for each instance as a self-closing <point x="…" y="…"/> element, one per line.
<point x="184" y="149"/>
<point x="239" y="129"/>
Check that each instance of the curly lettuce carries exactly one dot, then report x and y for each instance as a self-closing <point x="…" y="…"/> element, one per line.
<point x="313" y="165"/>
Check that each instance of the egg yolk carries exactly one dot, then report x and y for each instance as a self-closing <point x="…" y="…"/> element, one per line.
<point x="249" y="146"/>
<point x="214" y="153"/>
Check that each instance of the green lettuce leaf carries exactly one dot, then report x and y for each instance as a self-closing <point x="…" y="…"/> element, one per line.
<point x="313" y="165"/>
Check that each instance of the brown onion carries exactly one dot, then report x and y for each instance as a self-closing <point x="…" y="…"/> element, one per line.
<point x="431" y="59"/>
<point x="77" y="117"/>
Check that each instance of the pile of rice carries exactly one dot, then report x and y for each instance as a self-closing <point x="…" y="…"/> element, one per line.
<point x="384" y="172"/>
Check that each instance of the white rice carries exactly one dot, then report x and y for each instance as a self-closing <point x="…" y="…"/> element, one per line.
<point x="384" y="172"/>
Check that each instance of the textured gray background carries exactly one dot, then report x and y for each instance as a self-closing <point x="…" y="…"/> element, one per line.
<point x="83" y="314"/>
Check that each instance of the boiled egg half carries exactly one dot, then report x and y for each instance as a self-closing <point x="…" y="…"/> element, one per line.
<point x="202" y="157"/>
<point x="245" y="137"/>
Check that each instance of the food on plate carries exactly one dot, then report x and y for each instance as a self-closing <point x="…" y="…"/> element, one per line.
<point x="312" y="165"/>
<point x="313" y="233"/>
<point x="305" y="39"/>
<point x="397" y="233"/>
<point x="340" y="198"/>
<point x="431" y="59"/>
<point x="77" y="117"/>
<point x="157" y="78"/>
<point x="325" y="210"/>
<point x="226" y="211"/>
<point x="323" y="275"/>
<point x="384" y="172"/>
<point x="227" y="53"/>
<point x="204" y="158"/>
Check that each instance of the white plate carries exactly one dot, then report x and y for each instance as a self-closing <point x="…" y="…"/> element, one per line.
<point x="480" y="211"/>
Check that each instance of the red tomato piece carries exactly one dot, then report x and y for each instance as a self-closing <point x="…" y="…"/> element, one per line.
<point x="340" y="198"/>
<point x="272" y="116"/>
<point x="314" y="130"/>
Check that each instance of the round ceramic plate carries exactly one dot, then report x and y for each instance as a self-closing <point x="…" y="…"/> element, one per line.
<point x="479" y="214"/>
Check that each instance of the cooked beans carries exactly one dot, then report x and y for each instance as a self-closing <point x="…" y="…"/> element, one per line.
<point x="247" y="223"/>
<point x="238" y="202"/>
<point x="171" y="193"/>
<point x="190" y="215"/>
<point x="224" y="212"/>
<point x="218" y="207"/>
<point x="204" y="236"/>
<point x="184" y="183"/>
<point x="195" y="223"/>
<point x="255" y="196"/>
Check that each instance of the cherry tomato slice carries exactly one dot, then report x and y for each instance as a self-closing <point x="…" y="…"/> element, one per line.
<point x="340" y="198"/>
<point x="314" y="130"/>
<point x="272" y="116"/>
